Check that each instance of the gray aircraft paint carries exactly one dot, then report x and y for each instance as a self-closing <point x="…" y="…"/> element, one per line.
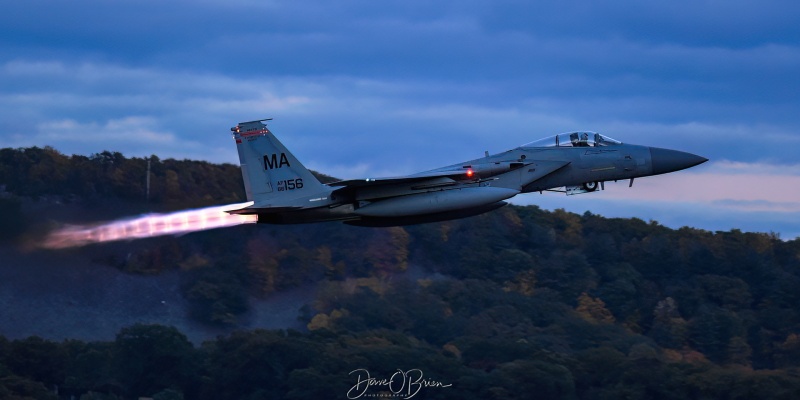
<point x="283" y="191"/>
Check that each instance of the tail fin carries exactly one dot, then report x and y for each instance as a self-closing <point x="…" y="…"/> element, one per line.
<point x="270" y="172"/>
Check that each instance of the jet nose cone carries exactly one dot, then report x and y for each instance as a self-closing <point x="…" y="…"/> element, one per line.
<point x="666" y="160"/>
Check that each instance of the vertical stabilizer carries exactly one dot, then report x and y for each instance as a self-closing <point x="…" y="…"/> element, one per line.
<point x="272" y="175"/>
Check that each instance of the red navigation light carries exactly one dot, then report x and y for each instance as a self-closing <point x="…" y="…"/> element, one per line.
<point x="470" y="173"/>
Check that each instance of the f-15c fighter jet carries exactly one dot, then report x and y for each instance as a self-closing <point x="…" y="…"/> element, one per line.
<point x="283" y="191"/>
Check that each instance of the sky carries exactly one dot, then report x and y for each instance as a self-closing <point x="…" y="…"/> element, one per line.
<point x="384" y="88"/>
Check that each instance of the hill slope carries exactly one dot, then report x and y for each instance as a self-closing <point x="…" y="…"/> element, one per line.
<point x="515" y="301"/>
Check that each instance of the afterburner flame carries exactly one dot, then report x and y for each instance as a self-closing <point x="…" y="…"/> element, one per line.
<point x="150" y="225"/>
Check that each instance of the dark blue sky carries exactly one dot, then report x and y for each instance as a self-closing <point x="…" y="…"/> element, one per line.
<point x="364" y="88"/>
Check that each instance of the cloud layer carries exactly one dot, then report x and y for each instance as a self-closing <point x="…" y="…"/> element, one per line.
<point x="364" y="88"/>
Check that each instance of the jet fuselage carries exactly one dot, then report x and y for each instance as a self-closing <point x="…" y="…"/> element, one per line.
<point x="283" y="191"/>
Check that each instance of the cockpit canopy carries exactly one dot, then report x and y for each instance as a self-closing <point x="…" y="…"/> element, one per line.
<point x="575" y="139"/>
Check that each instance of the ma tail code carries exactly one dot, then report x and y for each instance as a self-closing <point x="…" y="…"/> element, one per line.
<point x="272" y="161"/>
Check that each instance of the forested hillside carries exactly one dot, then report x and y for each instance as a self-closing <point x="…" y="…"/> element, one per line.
<point x="518" y="303"/>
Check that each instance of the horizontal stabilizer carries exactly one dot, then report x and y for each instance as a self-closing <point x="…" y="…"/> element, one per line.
<point x="262" y="210"/>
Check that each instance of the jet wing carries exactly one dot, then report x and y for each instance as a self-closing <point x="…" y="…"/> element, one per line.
<point x="356" y="183"/>
<point x="539" y="169"/>
<point x="536" y="170"/>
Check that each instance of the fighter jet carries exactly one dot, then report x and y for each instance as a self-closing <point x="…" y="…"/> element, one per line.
<point x="283" y="191"/>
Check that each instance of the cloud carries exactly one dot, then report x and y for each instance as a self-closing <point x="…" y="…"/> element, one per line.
<point x="319" y="112"/>
<point x="720" y="195"/>
<point x="402" y="115"/>
<point x="758" y="205"/>
<point x="726" y="167"/>
<point x="114" y="132"/>
<point x="364" y="88"/>
<point x="719" y="186"/>
<point x="134" y="136"/>
<point x="81" y="107"/>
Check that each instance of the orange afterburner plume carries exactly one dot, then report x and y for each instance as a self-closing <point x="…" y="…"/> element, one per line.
<point x="176" y="223"/>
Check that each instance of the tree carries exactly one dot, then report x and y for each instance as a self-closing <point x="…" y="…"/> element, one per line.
<point x="38" y="359"/>
<point x="539" y="379"/>
<point x="255" y="364"/>
<point x="217" y="296"/>
<point x="89" y="368"/>
<point x="593" y="309"/>
<point x="16" y="387"/>
<point x="151" y="358"/>
<point x="711" y="331"/>
<point x="669" y="328"/>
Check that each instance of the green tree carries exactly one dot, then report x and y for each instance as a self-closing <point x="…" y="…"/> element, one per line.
<point x="89" y="368"/>
<point x="544" y="378"/>
<point x="669" y="328"/>
<point x="38" y="359"/>
<point x="711" y="332"/>
<point x="15" y="387"/>
<point x="217" y="296"/>
<point x="255" y="364"/>
<point x="151" y="358"/>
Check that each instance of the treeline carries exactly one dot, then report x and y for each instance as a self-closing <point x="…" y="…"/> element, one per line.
<point x="516" y="303"/>
<point x="492" y="360"/>
<point x="36" y="172"/>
